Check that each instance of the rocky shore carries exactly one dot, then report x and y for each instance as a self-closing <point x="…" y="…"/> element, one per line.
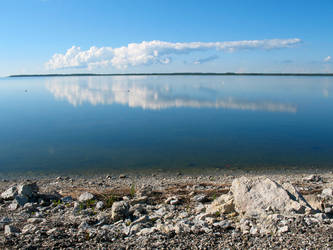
<point x="178" y="212"/>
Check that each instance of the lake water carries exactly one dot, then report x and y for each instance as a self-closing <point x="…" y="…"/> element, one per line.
<point x="122" y="123"/>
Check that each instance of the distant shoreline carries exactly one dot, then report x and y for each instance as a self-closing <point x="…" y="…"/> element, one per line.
<point x="177" y="74"/>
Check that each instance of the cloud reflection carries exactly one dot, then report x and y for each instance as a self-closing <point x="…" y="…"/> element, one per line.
<point x="140" y="92"/>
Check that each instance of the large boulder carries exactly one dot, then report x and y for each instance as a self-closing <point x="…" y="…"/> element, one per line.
<point x="256" y="196"/>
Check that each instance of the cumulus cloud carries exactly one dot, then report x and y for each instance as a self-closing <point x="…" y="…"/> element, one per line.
<point x="327" y="59"/>
<point x="149" y="52"/>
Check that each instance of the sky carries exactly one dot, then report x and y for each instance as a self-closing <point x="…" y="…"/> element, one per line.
<point x="136" y="36"/>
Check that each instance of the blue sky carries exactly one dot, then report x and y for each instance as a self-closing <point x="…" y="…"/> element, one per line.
<point x="62" y="36"/>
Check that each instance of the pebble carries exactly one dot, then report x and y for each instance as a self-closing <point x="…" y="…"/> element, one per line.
<point x="86" y="196"/>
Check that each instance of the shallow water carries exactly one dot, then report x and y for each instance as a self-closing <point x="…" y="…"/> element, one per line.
<point x="119" y="123"/>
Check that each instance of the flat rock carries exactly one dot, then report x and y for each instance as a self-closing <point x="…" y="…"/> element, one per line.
<point x="86" y="196"/>
<point x="283" y="229"/>
<point x="200" y="198"/>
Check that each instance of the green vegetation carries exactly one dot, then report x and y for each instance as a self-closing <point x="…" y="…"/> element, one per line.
<point x="56" y="202"/>
<point x="109" y="201"/>
<point x="214" y="196"/>
<point x="132" y="190"/>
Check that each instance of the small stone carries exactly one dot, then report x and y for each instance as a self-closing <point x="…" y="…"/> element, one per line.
<point x="84" y="225"/>
<point x="225" y="224"/>
<point x="328" y="210"/>
<point x="86" y="196"/>
<point x="76" y="206"/>
<point x="146" y="231"/>
<point x="172" y="200"/>
<point x="29" y="229"/>
<point x="99" y="205"/>
<point x="200" y="198"/>
<point x="283" y="229"/>
<point x="13" y="206"/>
<point x="9" y="230"/>
<point x="67" y="199"/>
<point x="34" y="220"/>
<point x="200" y="208"/>
<point x="210" y="220"/>
<point x="254" y="231"/>
<point x="313" y="178"/>
<point x="122" y="176"/>
<point x="120" y="210"/>
<point x="51" y="231"/>
<point x="327" y="192"/>
<point x="139" y="200"/>
<point x="10" y="193"/>
<point x="320" y="216"/>
<point x="5" y="220"/>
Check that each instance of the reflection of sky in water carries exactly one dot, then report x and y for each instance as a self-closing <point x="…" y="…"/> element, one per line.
<point x="147" y="94"/>
<point x="94" y="123"/>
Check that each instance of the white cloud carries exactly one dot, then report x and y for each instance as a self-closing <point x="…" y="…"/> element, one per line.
<point x="152" y="52"/>
<point x="327" y="59"/>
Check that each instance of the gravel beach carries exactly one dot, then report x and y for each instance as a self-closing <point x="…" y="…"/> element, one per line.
<point x="291" y="211"/>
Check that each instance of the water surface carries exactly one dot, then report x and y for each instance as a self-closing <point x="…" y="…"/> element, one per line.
<point x="120" y="123"/>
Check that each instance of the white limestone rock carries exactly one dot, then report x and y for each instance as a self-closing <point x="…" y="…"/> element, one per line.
<point x="10" y="230"/>
<point x="253" y="196"/>
<point x="10" y="193"/>
<point x="120" y="210"/>
<point x="327" y="192"/>
<point x="222" y="205"/>
<point x="86" y="196"/>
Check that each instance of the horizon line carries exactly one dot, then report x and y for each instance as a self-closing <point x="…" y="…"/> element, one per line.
<point x="172" y="73"/>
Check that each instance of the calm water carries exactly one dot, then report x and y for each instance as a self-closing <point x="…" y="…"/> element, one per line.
<point x="94" y="124"/>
